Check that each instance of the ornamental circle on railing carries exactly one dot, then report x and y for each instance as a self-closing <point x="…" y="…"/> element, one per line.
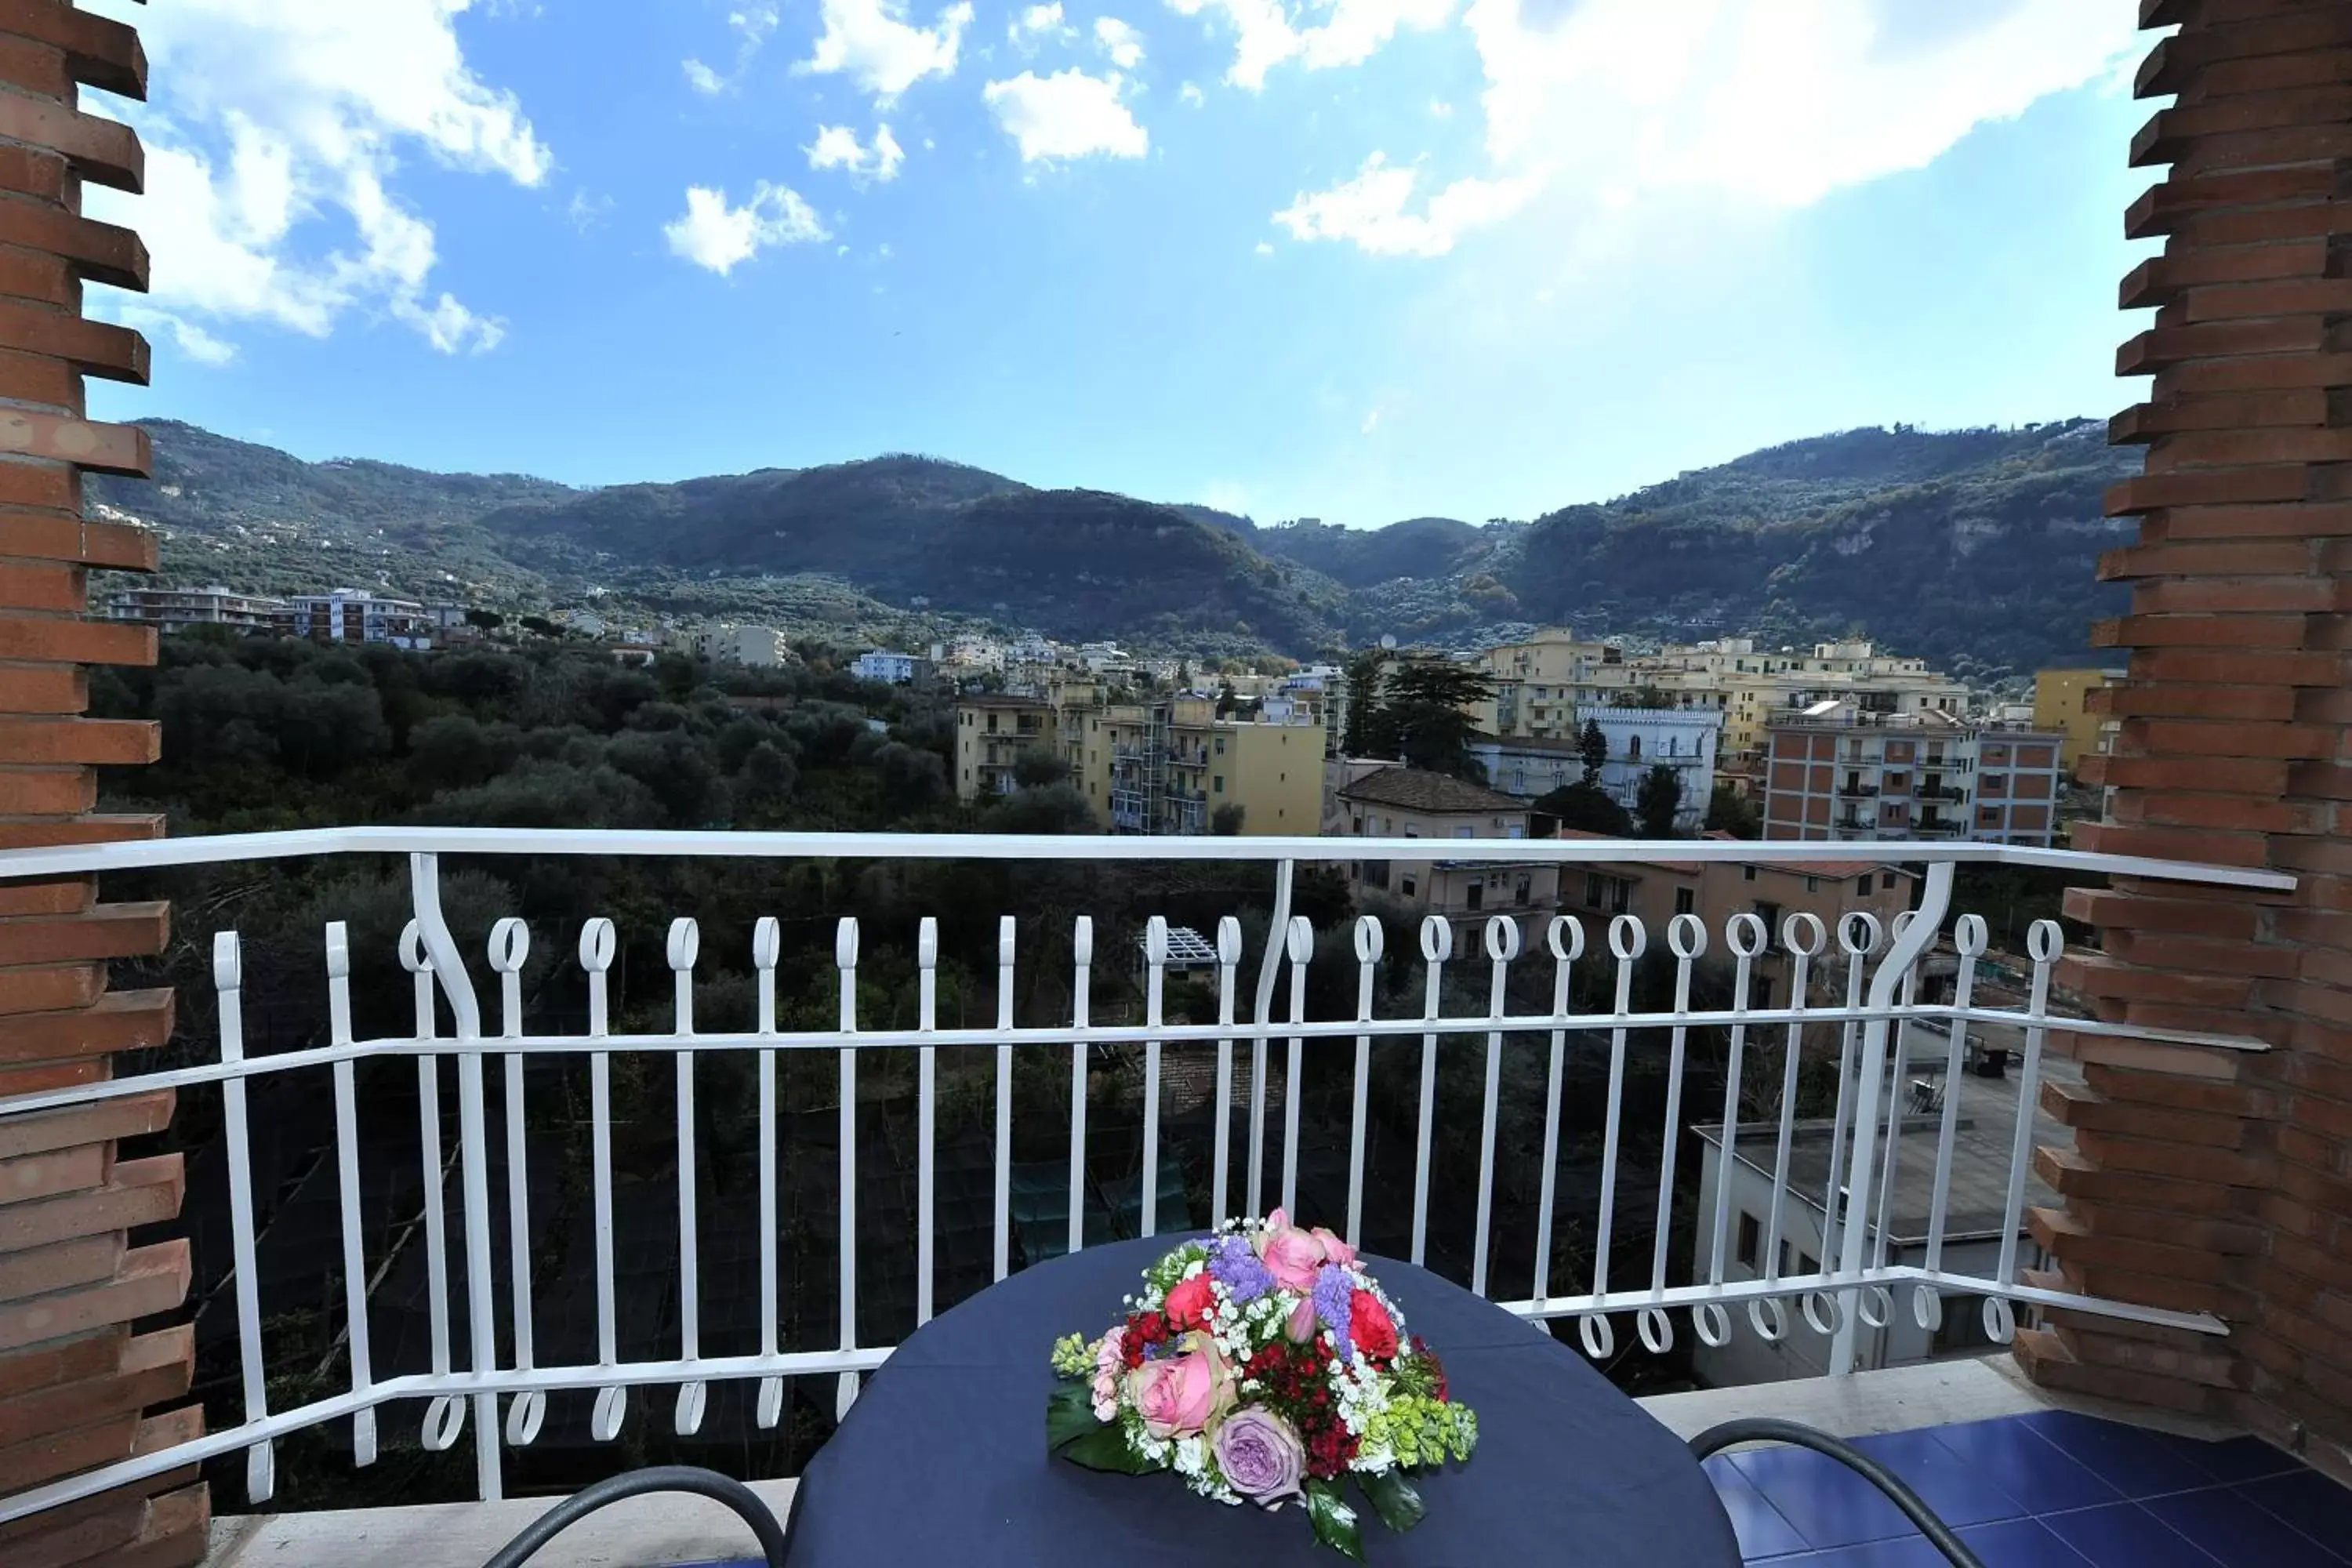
<point x="1927" y="1307"/>
<point x="413" y="956"/>
<point x="1769" y="1332"/>
<point x="1082" y="941"/>
<point x="443" y="1419"/>
<point x="1687" y="937"/>
<point x="1599" y="1340"/>
<point x="1824" y="1311"/>
<point x="1968" y="936"/>
<point x="1228" y="940"/>
<point x="1803" y="934"/>
<point x="767" y="942"/>
<point x="1745" y="935"/>
<point x="1627" y="938"/>
<point x="1712" y="1324"/>
<point x="1155" y="941"/>
<point x="1502" y="938"/>
<point x="2000" y="1320"/>
<point x="1859" y="933"/>
<point x="1875" y="1306"/>
<point x="927" y="943"/>
<point x="510" y="945"/>
<point x="1299" y="940"/>
<point x="2045" y="941"/>
<point x="612" y="1409"/>
<point x="1572" y="949"/>
<point x="524" y="1416"/>
<point x="1371" y="940"/>
<point x="1437" y="939"/>
<point x="1657" y="1330"/>
<point x="844" y="943"/>
<point x="685" y="944"/>
<point x="598" y="943"/>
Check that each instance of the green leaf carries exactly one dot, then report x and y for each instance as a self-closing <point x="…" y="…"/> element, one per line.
<point x="1106" y="1449"/>
<point x="1394" y="1498"/>
<point x="1334" y="1521"/>
<point x="1069" y="1415"/>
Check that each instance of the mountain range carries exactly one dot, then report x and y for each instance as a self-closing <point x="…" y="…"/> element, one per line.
<point x="1973" y="548"/>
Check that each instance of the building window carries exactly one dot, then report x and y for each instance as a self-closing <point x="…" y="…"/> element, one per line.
<point x="1217" y="785"/>
<point x="1592" y="889"/>
<point x="1633" y="748"/>
<point x="1807" y="1264"/>
<point x="1376" y="874"/>
<point x="1770" y="915"/>
<point x="1751" y="1240"/>
<point x="1747" y="873"/>
<point x="1221" y="745"/>
<point x="1685" y="901"/>
<point x="1862" y="886"/>
<point x="1466" y="833"/>
<point x="1358" y="830"/>
<point x="1524" y="889"/>
<point x="1476" y="896"/>
<point x="1404" y="886"/>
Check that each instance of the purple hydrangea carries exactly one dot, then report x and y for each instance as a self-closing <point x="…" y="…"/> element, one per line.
<point x="1333" y="1293"/>
<point x="1237" y="1266"/>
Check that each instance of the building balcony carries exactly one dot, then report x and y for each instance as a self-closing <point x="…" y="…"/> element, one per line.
<point x="1939" y="791"/>
<point x="465" y="1173"/>
<point x="1853" y="789"/>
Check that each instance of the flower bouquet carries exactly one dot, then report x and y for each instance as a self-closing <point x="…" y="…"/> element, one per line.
<point x="1263" y="1364"/>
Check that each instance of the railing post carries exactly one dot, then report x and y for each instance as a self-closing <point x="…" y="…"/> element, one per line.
<point x="1369" y="940"/>
<point x="1155" y="959"/>
<point x="767" y="948"/>
<point x="1277" y="936"/>
<point x="845" y="958"/>
<point x="927" y="981"/>
<point x="1082" y="958"/>
<point x="1854" y="1240"/>
<point x="473" y="1138"/>
<point x="1301" y="944"/>
<point x="684" y="946"/>
<point x="598" y="943"/>
<point x="1004" y="938"/>
<point x="347" y="1172"/>
<point x="1436" y="947"/>
<point x="228" y="978"/>
<point x="1229" y="959"/>
<point x="509" y="947"/>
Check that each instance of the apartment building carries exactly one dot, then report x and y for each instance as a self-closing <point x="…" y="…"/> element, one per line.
<point x="1540" y="683"/>
<point x="1387" y="800"/>
<point x="1639" y="739"/>
<point x="2060" y="703"/>
<point x="993" y="731"/>
<point x="177" y="609"/>
<point x="896" y="668"/>
<point x="1852" y="775"/>
<point x="352" y="614"/>
<point x="762" y="647"/>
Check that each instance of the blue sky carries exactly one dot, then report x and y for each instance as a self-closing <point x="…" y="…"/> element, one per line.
<point x="1359" y="259"/>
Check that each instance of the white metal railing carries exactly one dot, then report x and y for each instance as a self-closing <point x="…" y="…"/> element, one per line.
<point x="1877" y="1022"/>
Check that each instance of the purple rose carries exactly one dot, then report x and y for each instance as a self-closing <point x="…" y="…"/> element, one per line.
<point x="1260" y="1457"/>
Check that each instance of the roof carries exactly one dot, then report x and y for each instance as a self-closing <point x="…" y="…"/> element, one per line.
<point x="1001" y="699"/>
<point x="1835" y="870"/>
<point x="1524" y="743"/>
<point x="1417" y="790"/>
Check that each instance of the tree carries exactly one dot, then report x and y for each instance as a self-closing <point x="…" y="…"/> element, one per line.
<point x="1585" y="808"/>
<point x="1729" y="811"/>
<point x="487" y="620"/>
<point x="1363" y="698"/>
<point x="1592" y="746"/>
<point x="1225" y="822"/>
<point x="1050" y="808"/>
<point x="543" y="625"/>
<point x="1658" y="801"/>
<point x="1037" y="767"/>
<point x="1421" y="718"/>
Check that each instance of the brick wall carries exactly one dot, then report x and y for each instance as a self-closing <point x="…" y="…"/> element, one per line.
<point x="2202" y="1180"/>
<point x="76" y="1383"/>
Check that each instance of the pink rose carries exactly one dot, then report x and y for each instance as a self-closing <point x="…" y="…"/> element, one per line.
<point x="1303" y="1326"/>
<point x="1293" y="1256"/>
<point x="1176" y="1396"/>
<point x="1336" y="1250"/>
<point x="1108" y="1368"/>
<point x="1189" y="1305"/>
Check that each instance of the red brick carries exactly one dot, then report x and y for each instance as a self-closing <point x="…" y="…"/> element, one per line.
<point x="2076" y="1176"/>
<point x="2119" y="1155"/>
<point x="94" y="348"/>
<point x="34" y="379"/>
<point x="2261" y="225"/>
<point x="2170" y="844"/>
<point x="44" y="689"/>
<point x="152" y="1279"/>
<point x="43" y="988"/>
<point x="2291" y="520"/>
<point x="140" y="1191"/>
<point x="102" y="741"/>
<point x="2239" y="558"/>
<point x="109" y="931"/>
<point x="99" y="251"/>
<point x="2252" y="596"/>
<point x="34" y="66"/>
<point x="47" y="791"/>
<point x="121" y="1021"/>
<point x="2220" y="811"/>
<point x="2313" y="1263"/>
<point x="43" y="585"/>
<point x="2169" y="132"/>
<point x="64" y="641"/>
<point x="2197" y="953"/>
<point x="67" y="1359"/>
<point x="177" y="1532"/>
<point x="2191" y="701"/>
<point x="97" y="51"/>
<point x="28" y="275"/>
<point x="2252" y="776"/>
<point x="2241" y="1100"/>
<point x="40" y="1077"/>
<point x="44" y="1174"/>
<point x="104" y="829"/>
<point x="2244" y="151"/>
<point x="155" y="1370"/>
<point x="2069" y="1240"/>
<point x="2234" y="632"/>
<point x="79" y="1260"/>
<point x="2226" y="740"/>
<point x="60" y="896"/>
<point x="2187" y="916"/>
<point x="24" y="1466"/>
<point x="2229" y="411"/>
<point x="2077" y="1105"/>
<point x="2197" y="449"/>
<point x="2228" y="301"/>
<point x="73" y="1535"/>
<point x="103" y="152"/>
<point x="109" y="448"/>
<point x="2095" y="975"/>
<point x="120" y="545"/>
<point x="2188" y="377"/>
<point x="2159" y="346"/>
<point x="84" y="1124"/>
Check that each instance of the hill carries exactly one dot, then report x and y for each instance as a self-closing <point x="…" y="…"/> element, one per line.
<point x="1974" y="548"/>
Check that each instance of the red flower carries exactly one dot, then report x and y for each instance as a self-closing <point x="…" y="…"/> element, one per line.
<point x="1190" y="1304"/>
<point x="1370" y="1328"/>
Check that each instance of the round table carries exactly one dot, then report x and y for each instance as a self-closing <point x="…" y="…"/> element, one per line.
<point x="942" y="1460"/>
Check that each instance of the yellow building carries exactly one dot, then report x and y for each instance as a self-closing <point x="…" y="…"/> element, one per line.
<point x="992" y="733"/>
<point x="2058" y="705"/>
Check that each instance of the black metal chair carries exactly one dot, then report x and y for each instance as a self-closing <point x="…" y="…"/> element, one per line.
<point x="1769" y="1429"/>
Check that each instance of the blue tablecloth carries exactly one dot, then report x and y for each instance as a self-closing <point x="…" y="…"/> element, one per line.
<point x="942" y="1460"/>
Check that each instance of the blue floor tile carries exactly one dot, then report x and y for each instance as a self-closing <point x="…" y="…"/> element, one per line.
<point x="1830" y="1505"/>
<point x="2020" y="1544"/>
<point x="2136" y="1462"/>
<point x="1763" y="1532"/>
<point x="2011" y="1456"/>
<point x="1911" y="1553"/>
<point x="2236" y="1459"/>
<point x="2235" y="1530"/>
<point x="2307" y="1500"/>
<point x="2125" y="1535"/>
<point x="1960" y="1495"/>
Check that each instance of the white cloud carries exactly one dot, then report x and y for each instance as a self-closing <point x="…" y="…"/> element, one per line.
<point x="751" y="25"/>
<point x="1604" y="105"/>
<point x="872" y="42"/>
<point x="275" y="130"/>
<point x="1192" y="95"/>
<point x="1440" y="110"/>
<point x="1037" y="24"/>
<point x="1067" y="115"/>
<point x="1371" y="210"/>
<point x="1372" y="422"/>
<point x="714" y="235"/>
<point x="192" y="340"/>
<point x="585" y="212"/>
<point x="1121" y="42"/>
<point x="1266" y="32"/>
<point x="837" y="147"/>
<point x="1264" y="248"/>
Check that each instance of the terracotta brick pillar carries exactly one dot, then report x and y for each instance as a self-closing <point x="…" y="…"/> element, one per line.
<point x="75" y="1382"/>
<point x="2204" y="1180"/>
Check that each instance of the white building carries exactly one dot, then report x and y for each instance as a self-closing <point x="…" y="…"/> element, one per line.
<point x="177" y="609"/>
<point x="1975" y="1219"/>
<point x="353" y="615"/>
<point x="898" y="668"/>
<point x="761" y="646"/>
<point x="1641" y="739"/>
